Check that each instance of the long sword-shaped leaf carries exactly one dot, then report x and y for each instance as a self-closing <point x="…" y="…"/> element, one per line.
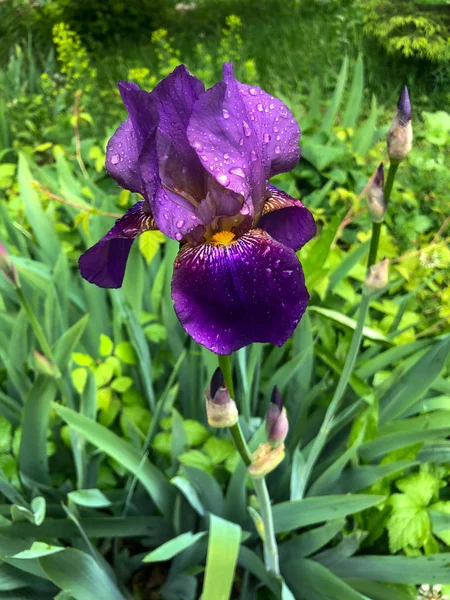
<point x="223" y="550"/>
<point x="158" y="487"/>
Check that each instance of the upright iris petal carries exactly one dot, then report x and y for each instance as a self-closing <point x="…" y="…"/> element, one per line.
<point x="202" y="161"/>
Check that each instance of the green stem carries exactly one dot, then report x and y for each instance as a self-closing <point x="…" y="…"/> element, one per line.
<point x="376" y="227"/>
<point x="270" y="543"/>
<point x="321" y="438"/>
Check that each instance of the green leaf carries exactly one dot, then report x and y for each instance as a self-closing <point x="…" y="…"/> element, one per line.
<point x="300" y="513"/>
<point x="35" y="515"/>
<point x="421" y="486"/>
<point x="218" y="449"/>
<point x="397" y="569"/>
<point x="338" y="317"/>
<point x="37" y="550"/>
<point x="335" y="103"/>
<point x="310" y="580"/>
<point x="149" y="243"/>
<point x="80" y="574"/>
<point x="121" y="384"/>
<point x="84" y="360"/>
<point x="126" y="353"/>
<point x="79" y="379"/>
<point x="42" y="226"/>
<point x="440" y="519"/>
<point x="195" y="458"/>
<point x="151" y="478"/>
<point x="106" y="345"/>
<point x="91" y="498"/>
<point x="223" y="549"/>
<point x="309" y="542"/>
<point x="409" y="524"/>
<point x="173" y="547"/>
<point x="356" y="95"/>
<point x="415" y="382"/>
<point x="363" y="138"/>
<point x="196" y="432"/>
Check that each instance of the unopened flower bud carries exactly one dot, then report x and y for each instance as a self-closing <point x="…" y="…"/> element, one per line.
<point x="378" y="276"/>
<point x="6" y="266"/>
<point x="400" y="134"/>
<point x="265" y="459"/>
<point x="277" y="424"/>
<point x="221" y="409"/>
<point x="376" y="202"/>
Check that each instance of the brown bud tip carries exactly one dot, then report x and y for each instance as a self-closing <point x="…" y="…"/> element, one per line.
<point x="221" y="409"/>
<point x="378" y="276"/>
<point x="376" y="203"/>
<point x="265" y="459"/>
<point x="277" y="424"/>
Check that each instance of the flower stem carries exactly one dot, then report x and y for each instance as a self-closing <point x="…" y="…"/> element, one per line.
<point x="270" y="543"/>
<point x="376" y="227"/>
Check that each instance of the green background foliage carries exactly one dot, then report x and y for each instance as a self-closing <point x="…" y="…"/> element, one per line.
<point x="112" y="485"/>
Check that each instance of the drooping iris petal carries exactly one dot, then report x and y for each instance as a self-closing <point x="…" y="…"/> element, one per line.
<point x="221" y="133"/>
<point x="227" y="297"/>
<point x="276" y="126"/>
<point x="179" y="166"/>
<point x="287" y="220"/>
<point x="104" y="263"/>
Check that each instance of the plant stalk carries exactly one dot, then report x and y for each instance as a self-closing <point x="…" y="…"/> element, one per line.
<point x="271" y="558"/>
<point x="376" y="227"/>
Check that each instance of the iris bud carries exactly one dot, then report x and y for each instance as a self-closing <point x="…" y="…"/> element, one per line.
<point x="6" y="266"/>
<point x="221" y="409"/>
<point x="400" y="134"/>
<point x="265" y="459"/>
<point x="378" y="276"/>
<point x="277" y="424"/>
<point x="376" y="202"/>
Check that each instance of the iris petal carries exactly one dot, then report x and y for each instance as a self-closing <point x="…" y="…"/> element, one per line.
<point x="104" y="263"/>
<point x="227" y="297"/>
<point x="287" y="220"/>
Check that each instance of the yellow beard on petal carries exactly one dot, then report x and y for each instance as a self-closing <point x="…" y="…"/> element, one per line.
<point x="223" y="238"/>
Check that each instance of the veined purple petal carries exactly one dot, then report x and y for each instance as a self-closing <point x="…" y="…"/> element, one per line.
<point x="141" y="109"/>
<point x="179" y="166"/>
<point x="221" y="133"/>
<point x="287" y="220"/>
<point x="104" y="263"/>
<point x="277" y="129"/>
<point x="227" y="297"/>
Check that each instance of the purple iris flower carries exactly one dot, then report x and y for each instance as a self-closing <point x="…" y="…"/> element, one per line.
<point x="202" y="161"/>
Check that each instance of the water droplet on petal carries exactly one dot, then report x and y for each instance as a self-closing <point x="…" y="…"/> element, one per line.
<point x="277" y="149"/>
<point x="266" y="251"/>
<point x="223" y="179"/>
<point x="252" y="91"/>
<point x="247" y="130"/>
<point x="115" y="159"/>
<point x="178" y="237"/>
<point x="260" y="107"/>
<point x="253" y="155"/>
<point x="226" y="156"/>
<point x="269" y="272"/>
<point x="271" y="106"/>
<point x="244" y="210"/>
<point x="204" y="157"/>
<point x="286" y="274"/>
<point x="226" y="114"/>
<point x="166" y="216"/>
<point x="180" y="223"/>
<point x="237" y="171"/>
<point x="241" y="142"/>
<point x="198" y="146"/>
<point x="266" y="138"/>
<point x="275" y="129"/>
